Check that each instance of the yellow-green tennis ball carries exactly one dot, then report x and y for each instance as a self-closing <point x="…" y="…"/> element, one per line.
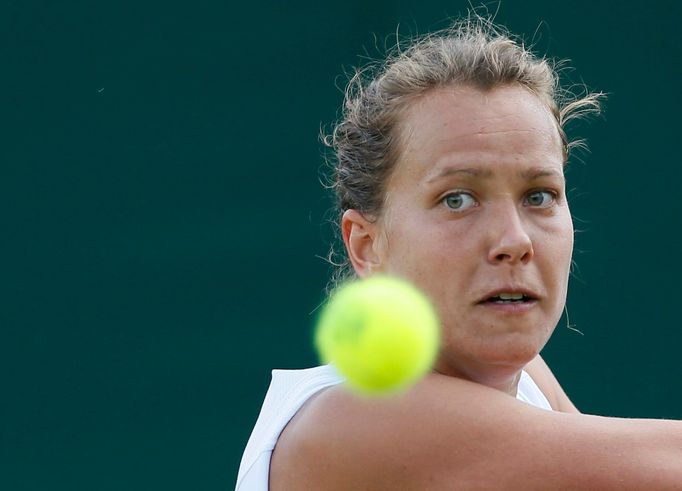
<point x="381" y="333"/>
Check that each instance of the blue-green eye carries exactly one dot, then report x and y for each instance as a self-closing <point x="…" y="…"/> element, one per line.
<point x="540" y="199"/>
<point x="459" y="201"/>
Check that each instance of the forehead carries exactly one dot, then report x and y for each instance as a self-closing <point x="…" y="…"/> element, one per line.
<point x="507" y="126"/>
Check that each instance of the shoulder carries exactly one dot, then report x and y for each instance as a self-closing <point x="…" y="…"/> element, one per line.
<point x="448" y="433"/>
<point x="442" y="428"/>
<point x="549" y="385"/>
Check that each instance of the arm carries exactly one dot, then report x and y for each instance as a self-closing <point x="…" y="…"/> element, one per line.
<point x="448" y="432"/>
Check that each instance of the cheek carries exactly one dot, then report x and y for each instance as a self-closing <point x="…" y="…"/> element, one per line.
<point x="558" y="233"/>
<point x="567" y="242"/>
<point x="557" y="262"/>
<point x="417" y="252"/>
<point x="429" y="250"/>
<point x="441" y="266"/>
<point x="432" y="249"/>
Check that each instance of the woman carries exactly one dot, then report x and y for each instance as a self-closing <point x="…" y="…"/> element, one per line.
<point x="450" y="174"/>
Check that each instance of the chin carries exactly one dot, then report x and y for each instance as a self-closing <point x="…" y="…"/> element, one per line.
<point x="514" y="350"/>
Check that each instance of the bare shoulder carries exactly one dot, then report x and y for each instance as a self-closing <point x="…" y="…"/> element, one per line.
<point x="544" y="378"/>
<point x="342" y="441"/>
<point x="443" y="431"/>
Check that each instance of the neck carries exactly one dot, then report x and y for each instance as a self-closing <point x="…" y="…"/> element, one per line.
<point x="505" y="379"/>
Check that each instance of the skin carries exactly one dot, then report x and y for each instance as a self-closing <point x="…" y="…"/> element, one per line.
<point x="476" y="203"/>
<point x="503" y="223"/>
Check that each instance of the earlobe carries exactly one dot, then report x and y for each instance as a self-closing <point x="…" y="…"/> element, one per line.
<point x="359" y="237"/>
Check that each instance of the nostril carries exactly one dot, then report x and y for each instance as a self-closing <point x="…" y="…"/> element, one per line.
<point x="520" y="254"/>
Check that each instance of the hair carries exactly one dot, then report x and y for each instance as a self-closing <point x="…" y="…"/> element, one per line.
<point x="472" y="52"/>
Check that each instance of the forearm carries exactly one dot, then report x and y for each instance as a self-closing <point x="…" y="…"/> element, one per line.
<point x="617" y="453"/>
<point x="448" y="434"/>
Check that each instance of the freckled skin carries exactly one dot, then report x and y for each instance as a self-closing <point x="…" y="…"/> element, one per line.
<point x="506" y="222"/>
<point x="475" y="204"/>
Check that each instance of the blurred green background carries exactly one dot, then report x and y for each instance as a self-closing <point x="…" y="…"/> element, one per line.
<point x="163" y="221"/>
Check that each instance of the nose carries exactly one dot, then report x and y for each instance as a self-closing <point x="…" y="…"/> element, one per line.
<point x="511" y="242"/>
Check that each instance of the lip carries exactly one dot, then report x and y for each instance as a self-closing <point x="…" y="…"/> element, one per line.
<point x="509" y="308"/>
<point x="534" y="296"/>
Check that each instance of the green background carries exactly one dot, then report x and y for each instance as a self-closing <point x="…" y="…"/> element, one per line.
<point x="163" y="221"/>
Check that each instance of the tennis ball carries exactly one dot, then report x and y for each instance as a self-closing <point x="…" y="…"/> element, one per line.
<point x="381" y="333"/>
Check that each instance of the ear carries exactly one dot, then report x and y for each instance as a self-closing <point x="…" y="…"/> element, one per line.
<point x="361" y="239"/>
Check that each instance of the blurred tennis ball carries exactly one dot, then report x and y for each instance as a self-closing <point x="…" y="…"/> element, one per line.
<point x="381" y="333"/>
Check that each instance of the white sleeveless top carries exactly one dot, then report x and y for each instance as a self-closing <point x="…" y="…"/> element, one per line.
<point x="288" y="391"/>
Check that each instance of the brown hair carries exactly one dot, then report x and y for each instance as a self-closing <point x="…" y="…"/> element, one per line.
<point x="473" y="52"/>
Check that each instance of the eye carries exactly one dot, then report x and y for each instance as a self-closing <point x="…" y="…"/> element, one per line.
<point x="540" y="199"/>
<point x="459" y="201"/>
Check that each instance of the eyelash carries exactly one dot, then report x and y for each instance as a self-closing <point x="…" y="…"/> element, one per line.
<point x="456" y="193"/>
<point x="553" y="196"/>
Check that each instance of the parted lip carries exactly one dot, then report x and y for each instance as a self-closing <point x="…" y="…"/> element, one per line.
<point x="532" y="295"/>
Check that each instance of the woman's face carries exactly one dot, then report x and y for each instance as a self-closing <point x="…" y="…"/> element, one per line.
<point x="476" y="216"/>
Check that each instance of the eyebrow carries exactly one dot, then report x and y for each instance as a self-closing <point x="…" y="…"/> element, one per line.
<point x="527" y="174"/>
<point x="538" y="172"/>
<point x="451" y="171"/>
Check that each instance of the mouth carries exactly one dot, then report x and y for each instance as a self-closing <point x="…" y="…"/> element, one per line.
<point x="509" y="297"/>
